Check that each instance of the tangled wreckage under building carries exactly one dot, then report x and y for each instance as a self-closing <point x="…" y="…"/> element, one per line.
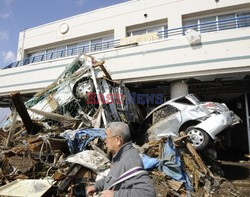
<point x="53" y="144"/>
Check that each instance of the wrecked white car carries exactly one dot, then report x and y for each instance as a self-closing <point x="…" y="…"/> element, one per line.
<point x="202" y="121"/>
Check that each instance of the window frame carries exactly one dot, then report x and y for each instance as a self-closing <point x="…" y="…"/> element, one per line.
<point x="218" y="24"/>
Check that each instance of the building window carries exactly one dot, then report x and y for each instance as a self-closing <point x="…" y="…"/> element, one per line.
<point x="155" y="29"/>
<point x="96" y="45"/>
<point x="225" y="22"/>
<point x="208" y="24"/>
<point x="217" y="23"/>
<point x="61" y="52"/>
<point x="108" y="42"/>
<point x="102" y="43"/>
<point x="50" y="54"/>
<point x="190" y="24"/>
<point x="159" y="29"/>
<point x="243" y="19"/>
<point x="37" y="56"/>
<point x="56" y="53"/>
<point x="73" y="49"/>
<point x="83" y="47"/>
<point x="138" y="32"/>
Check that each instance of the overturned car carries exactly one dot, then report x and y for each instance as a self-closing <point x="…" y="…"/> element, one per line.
<point x="84" y="95"/>
<point x="202" y="121"/>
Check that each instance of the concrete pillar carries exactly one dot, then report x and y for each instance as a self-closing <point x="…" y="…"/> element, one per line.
<point x="178" y="88"/>
<point x="20" y="51"/>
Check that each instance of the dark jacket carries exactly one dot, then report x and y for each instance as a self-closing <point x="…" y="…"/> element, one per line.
<point x="138" y="186"/>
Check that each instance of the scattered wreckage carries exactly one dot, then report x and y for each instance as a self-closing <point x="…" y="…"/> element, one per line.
<point x="77" y="96"/>
<point x="53" y="144"/>
<point x="202" y="121"/>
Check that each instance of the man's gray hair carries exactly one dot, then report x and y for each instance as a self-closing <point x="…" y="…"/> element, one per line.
<point x="121" y="129"/>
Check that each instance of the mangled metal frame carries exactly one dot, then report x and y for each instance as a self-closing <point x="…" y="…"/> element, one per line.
<point x="68" y="99"/>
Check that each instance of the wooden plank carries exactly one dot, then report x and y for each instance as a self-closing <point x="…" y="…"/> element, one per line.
<point x="73" y="170"/>
<point x="106" y="72"/>
<point x="175" y="185"/>
<point x="23" y="113"/>
<point x="59" y="117"/>
<point x="192" y="166"/>
<point x="195" y="155"/>
<point x="100" y="63"/>
<point x="233" y="163"/>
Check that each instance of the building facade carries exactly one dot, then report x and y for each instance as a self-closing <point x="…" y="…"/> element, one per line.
<point x="165" y="46"/>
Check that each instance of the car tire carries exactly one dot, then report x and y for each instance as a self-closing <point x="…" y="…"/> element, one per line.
<point x="199" y="137"/>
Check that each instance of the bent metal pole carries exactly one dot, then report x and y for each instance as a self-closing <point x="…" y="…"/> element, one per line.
<point x="89" y="63"/>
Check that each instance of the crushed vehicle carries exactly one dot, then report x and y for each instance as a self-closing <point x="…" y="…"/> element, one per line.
<point x="202" y="121"/>
<point x="83" y="95"/>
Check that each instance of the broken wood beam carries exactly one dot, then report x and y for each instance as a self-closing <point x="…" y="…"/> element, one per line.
<point x="97" y="63"/>
<point x="100" y="63"/>
<point x="179" y="140"/>
<point x="105" y="72"/>
<point x="72" y="171"/>
<point x="235" y="163"/>
<point x="23" y="113"/>
<point x="59" y="117"/>
<point x="192" y="166"/>
<point x="195" y="155"/>
<point x="175" y="185"/>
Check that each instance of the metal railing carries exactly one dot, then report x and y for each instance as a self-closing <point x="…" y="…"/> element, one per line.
<point x="219" y="25"/>
<point x="65" y="53"/>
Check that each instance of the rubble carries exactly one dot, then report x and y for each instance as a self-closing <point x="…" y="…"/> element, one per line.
<point x="53" y="144"/>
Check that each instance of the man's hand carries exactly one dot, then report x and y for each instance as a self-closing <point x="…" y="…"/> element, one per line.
<point x="91" y="190"/>
<point x="107" y="193"/>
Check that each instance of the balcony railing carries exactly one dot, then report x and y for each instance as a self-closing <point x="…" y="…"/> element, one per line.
<point x="65" y="53"/>
<point x="220" y="25"/>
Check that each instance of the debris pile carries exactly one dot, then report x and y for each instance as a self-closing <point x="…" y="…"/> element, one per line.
<point x="53" y="144"/>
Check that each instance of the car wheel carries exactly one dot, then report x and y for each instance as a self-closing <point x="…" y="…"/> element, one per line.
<point x="199" y="137"/>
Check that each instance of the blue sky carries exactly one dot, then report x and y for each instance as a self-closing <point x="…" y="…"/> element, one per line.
<point x="17" y="15"/>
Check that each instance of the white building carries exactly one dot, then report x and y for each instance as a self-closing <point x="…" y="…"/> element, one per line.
<point x="164" y="46"/>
